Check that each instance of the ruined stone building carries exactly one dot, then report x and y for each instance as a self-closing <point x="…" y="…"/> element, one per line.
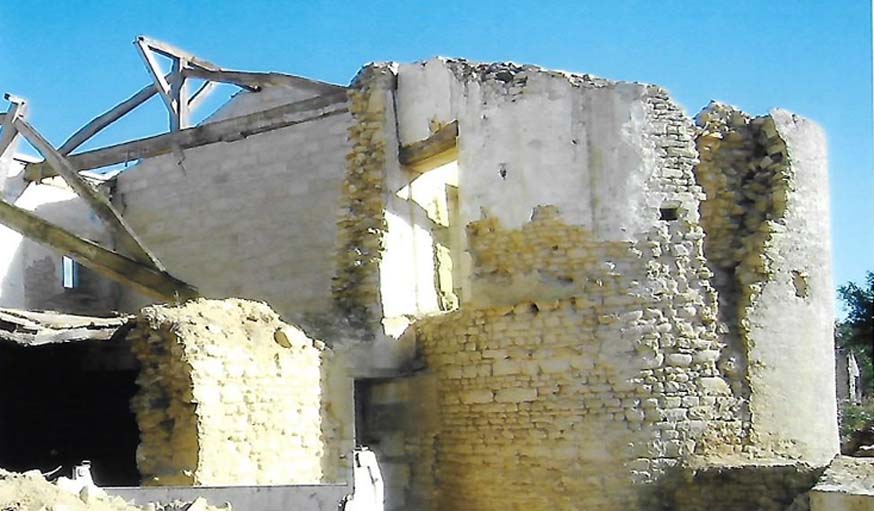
<point x="522" y="288"/>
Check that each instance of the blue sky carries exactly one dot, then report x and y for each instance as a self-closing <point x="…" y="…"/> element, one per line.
<point x="72" y="60"/>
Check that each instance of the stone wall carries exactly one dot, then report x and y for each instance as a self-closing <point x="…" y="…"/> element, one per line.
<point x="360" y="219"/>
<point x="253" y="218"/>
<point x="231" y="395"/>
<point x="31" y="273"/>
<point x="767" y="239"/>
<point x="733" y="486"/>
<point x="847" y="485"/>
<point x="592" y="374"/>
<point x="584" y="401"/>
<point x="592" y="358"/>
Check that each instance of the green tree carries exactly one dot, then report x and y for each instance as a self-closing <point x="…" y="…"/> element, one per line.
<point x="856" y="332"/>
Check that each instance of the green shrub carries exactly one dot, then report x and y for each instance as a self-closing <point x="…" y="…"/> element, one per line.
<point x="856" y="418"/>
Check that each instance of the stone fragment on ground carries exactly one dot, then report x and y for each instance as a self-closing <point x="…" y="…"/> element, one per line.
<point x="30" y="491"/>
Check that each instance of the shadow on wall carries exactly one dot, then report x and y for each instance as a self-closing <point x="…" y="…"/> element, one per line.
<point x="34" y="277"/>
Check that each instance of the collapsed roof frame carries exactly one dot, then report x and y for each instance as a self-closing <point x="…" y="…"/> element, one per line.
<point x="139" y="267"/>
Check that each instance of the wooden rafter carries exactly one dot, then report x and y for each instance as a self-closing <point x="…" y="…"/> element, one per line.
<point x="110" y="116"/>
<point x="173" y="52"/>
<point x="201" y="94"/>
<point x="147" y="280"/>
<point x="98" y="202"/>
<point x="430" y="149"/>
<point x="32" y="328"/>
<point x="171" y="87"/>
<point x="256" y="81"/>
<point x="226" y="130"/>
<point x="161" y="84"/>
<point x="174" y="87"/>
<point x="179" y="93"/>
<point x="8" y="131"/>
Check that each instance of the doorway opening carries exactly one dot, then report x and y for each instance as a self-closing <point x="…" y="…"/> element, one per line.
<point x="63" y="403"/>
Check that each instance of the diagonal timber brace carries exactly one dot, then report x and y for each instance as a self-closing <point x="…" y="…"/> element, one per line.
<point x="227" y="130"/>
<point x="103" y="120"/>
<point x="147" y="280"/>
<point x="17" y="108"/>
<point x="171" y="87"/>
<point x="98" y="202"/>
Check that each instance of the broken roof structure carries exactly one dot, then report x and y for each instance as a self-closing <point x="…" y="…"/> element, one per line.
<point x="35" y="328"/>
<point x="519" y="287"/>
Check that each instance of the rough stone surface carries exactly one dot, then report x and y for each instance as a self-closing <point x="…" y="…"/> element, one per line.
<point x="31" y="492"/>
<point x="230" y="395"/>
<point x="593" y="354"/>
<point x="847" y="485"/>
<point x="767" y="239"/>
<point x="361" y="222"/>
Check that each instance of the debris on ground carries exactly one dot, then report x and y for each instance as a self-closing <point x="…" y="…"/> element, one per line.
<point x="30" y="491"/>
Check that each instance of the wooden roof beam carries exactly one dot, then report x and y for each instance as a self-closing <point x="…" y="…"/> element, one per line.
<point x="257" y="81"/>
<point x="17" y="108"/>
<point x="98" y="202"/>
<point x="227" y="130"/>
<point x="149" y="281"/>
<point x="170" y="51"/>
<point x="103" y="120"/>
<point x="428" y="152"/>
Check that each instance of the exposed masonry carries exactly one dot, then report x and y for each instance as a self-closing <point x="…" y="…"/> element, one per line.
<point x="635" y="300"/>
<point x="778" y="487"/>
<point x="746" y="173"/>
<point x="603" y="366"/>
<point x="589" y="372"/>
<point x="216" y="405"/>
<point x="361" y="222"/>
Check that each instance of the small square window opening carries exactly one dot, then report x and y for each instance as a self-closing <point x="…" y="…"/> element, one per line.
<point x="669" y="214"/>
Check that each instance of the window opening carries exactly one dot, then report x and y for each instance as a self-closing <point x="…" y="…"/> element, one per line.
<point x="669" y="214"/>
<point x="69" y="273"/>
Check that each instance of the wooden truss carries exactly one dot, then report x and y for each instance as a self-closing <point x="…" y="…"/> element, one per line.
<point x="137" y="266"/>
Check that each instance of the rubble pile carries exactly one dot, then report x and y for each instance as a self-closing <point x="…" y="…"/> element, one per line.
<point x="30" y="491"/>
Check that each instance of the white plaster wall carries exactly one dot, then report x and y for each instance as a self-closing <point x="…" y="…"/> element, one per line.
<point x="253" y="218"/>
<point x="792" y="372"/>
<point x="577" y="147"/>
<point x="11" y="267"/>
<point x="408" y="278"/>
<point x="30" y="273"/>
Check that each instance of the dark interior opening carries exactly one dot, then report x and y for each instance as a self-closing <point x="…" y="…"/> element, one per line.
<point x="669" y="214"/>
<point x="361" y="399"/>
<point x="61" y="404"/>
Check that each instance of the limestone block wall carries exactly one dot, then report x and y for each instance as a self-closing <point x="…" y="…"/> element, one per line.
<point x="584" y="370"/>
<point x="254" y="218"/>
<point x="847" y="485"/>
<point x="766" y="486"/>
<point x="592" y="359"/>
<point x="580" y="401"/>
<point x="31" y="273"/>
<point x="230" y="395"/>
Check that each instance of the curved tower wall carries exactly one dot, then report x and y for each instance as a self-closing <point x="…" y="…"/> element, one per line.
<point x="609" y="336"/>
<point x="767" y="224"/>
<point x="583" y="365"/>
